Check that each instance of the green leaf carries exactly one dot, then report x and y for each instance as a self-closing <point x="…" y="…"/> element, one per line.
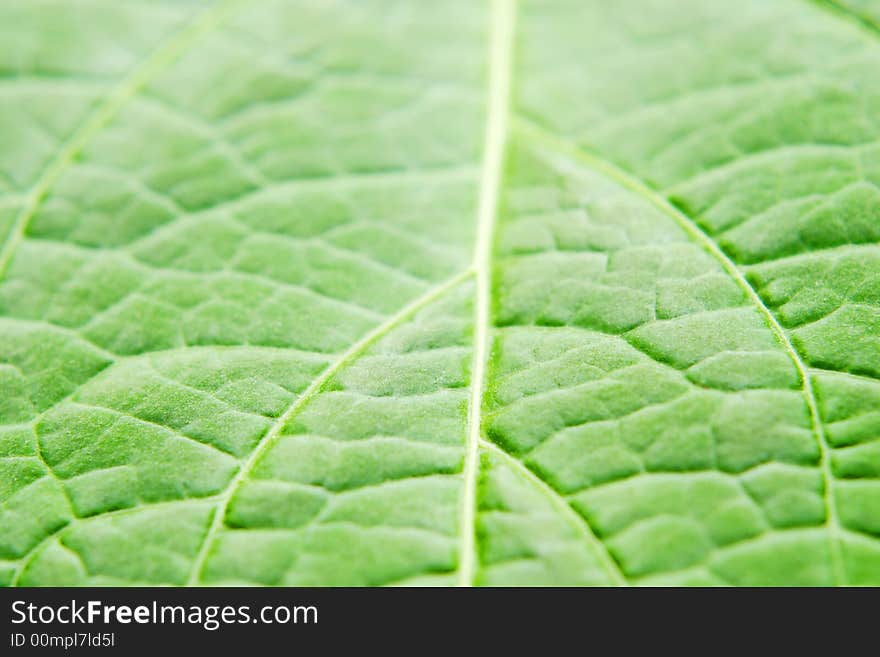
<point x="386" y="292"/>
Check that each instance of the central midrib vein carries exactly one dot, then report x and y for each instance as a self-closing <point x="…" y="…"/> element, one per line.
<point x="502" y="20"/>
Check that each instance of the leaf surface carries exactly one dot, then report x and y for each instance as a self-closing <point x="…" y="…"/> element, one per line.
<point x="367" y="293"/>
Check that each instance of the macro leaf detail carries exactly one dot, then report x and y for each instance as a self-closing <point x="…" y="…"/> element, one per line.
<point x="543" y="292"/>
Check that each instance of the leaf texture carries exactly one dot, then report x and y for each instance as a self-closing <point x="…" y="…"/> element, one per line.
<point x="364" y="293"/>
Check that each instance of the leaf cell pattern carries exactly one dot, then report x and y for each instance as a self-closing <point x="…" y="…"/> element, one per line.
<point x="509" y="293"/>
